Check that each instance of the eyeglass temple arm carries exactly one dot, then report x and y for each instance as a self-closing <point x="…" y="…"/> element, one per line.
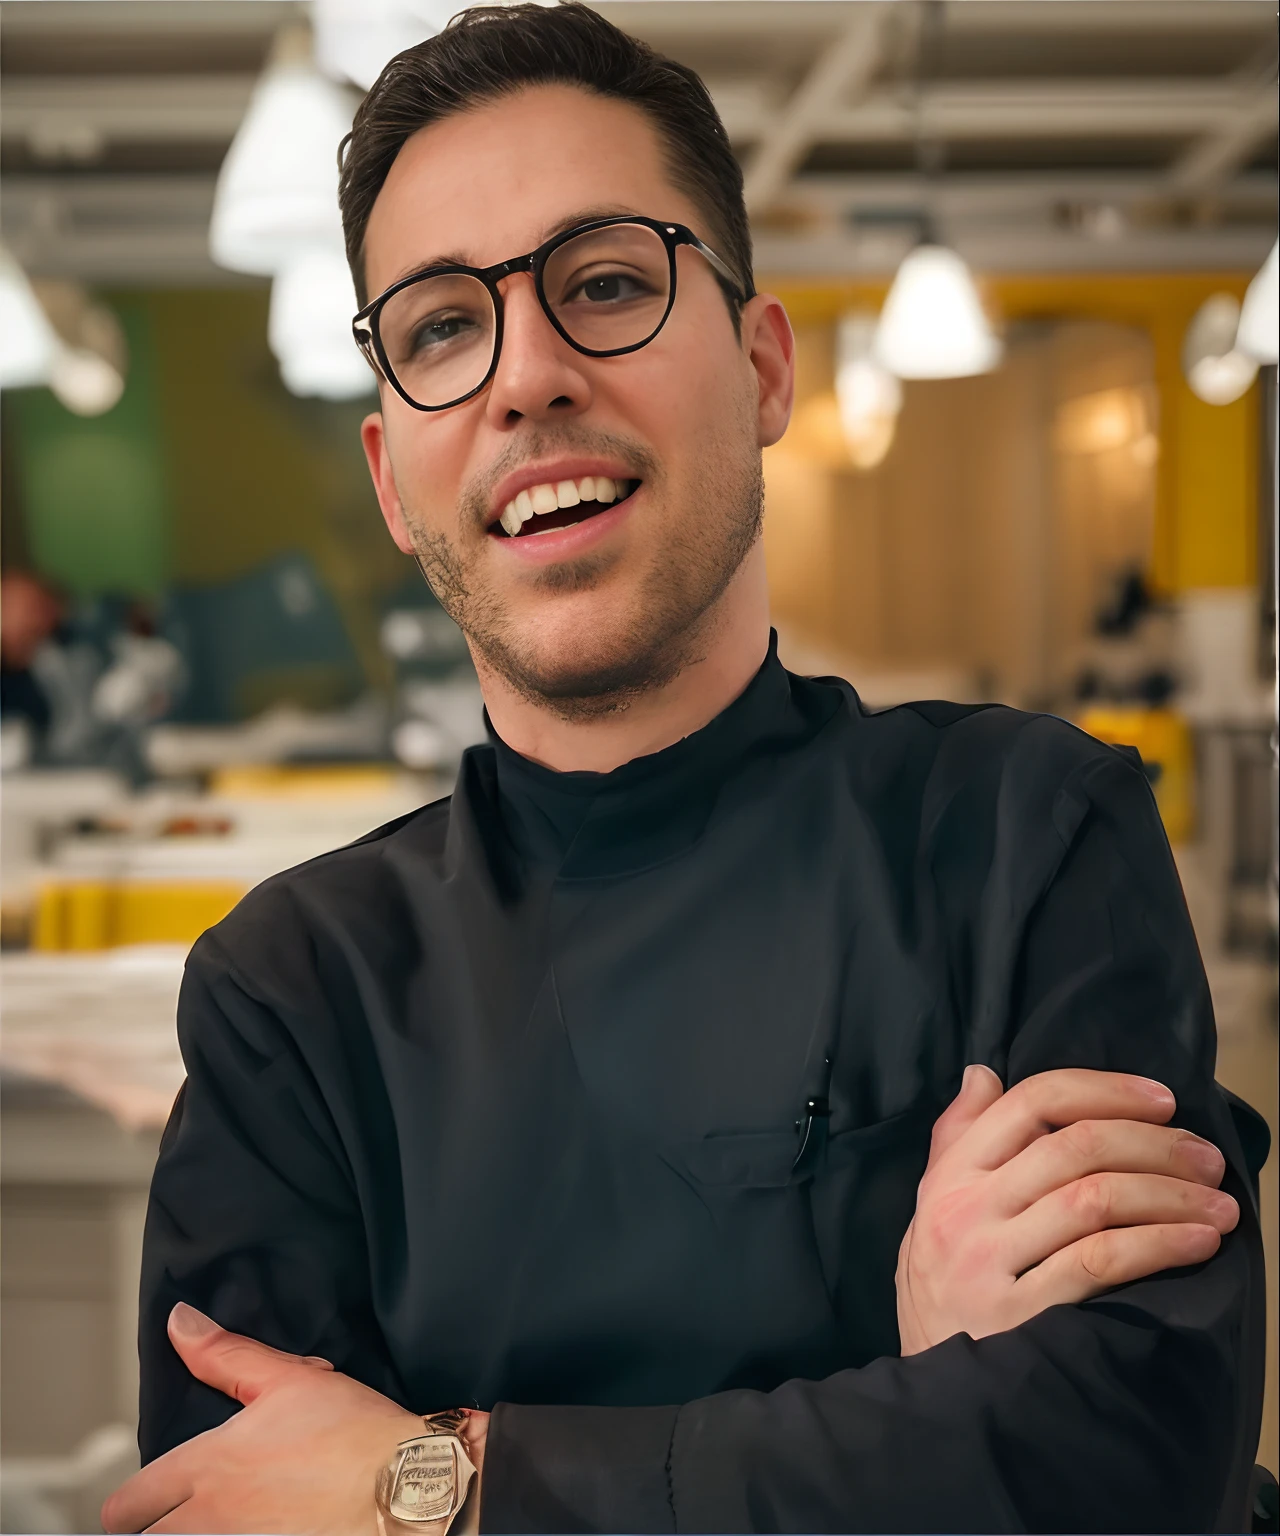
<point x="723" y="268"/>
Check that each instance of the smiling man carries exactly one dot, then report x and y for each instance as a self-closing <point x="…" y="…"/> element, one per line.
<point x="732" y="1110"/>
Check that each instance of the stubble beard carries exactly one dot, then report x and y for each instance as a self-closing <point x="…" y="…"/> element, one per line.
<point x="666" y="624"/>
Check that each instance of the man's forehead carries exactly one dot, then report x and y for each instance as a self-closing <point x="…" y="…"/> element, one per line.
<point x="496" y="180"/>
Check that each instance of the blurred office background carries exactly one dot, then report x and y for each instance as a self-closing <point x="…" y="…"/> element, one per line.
<point x="1028" y="249"/>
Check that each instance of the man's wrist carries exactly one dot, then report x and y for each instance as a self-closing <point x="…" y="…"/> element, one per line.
<point x="474" y="1434"/>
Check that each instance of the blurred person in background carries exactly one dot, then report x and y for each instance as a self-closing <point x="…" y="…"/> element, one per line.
<point x="82" y="684"/>
<point x="732" y="1110"/>
<point x="30" y="613"/>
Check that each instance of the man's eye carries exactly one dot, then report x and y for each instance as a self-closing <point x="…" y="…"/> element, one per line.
<point x="439" y="329"/>
<point x="607" y="288"/>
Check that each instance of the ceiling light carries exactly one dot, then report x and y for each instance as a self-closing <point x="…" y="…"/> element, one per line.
<point x="84" y="381"/>
<point x="932" y="325"/>
<point x="1215" y="368"/>
<point x="869" y="396"/>
<point x="1259" y="333"/>
<point x="277" y="191"/>
<point x="27" y="340"/>
<point x="309" y="328"/>
<point x="1105" y="420"/>
<point x="356" y="38"/>
<point x="87" y="373"/>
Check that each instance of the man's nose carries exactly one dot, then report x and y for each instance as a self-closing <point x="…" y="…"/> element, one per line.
<point x="538" y="374"/>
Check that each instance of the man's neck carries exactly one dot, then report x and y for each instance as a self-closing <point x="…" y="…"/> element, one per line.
<point x="733" y="647"/>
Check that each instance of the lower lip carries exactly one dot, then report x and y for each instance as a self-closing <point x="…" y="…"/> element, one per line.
<point x="564" y="543"/>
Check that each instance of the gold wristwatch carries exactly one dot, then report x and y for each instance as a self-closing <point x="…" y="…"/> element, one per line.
<point x="425" y="1484"/>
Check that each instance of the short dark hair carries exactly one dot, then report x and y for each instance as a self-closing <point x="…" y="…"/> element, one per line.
<point x="490" y="51"/>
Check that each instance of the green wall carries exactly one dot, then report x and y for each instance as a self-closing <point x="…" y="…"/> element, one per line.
<point x="97" y="512"/>
<point x="206" y="469"/>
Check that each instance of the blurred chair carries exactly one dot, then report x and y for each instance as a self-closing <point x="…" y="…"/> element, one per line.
<point x="274" y="634"/>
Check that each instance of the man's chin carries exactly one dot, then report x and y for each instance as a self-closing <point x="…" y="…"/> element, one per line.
<point x="586" y="659"/>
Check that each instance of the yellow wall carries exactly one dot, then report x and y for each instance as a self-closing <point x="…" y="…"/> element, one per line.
<point x="1206" y="518"/>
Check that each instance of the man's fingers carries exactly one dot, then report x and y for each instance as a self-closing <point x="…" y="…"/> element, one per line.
<point x="1115" y="1257"/>
<point x="1102" y="1146"/>
<point x="1111" y="1200"/>
<point x="240" y="1367"/>
<point x="151" y="1494"/>
<point x="1050" y="1100"/>
<point x="979" y="1090"/>
<point x="181" y="1522"/>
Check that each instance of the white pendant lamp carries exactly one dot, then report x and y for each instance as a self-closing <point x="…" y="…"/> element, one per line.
<point x="309" y="328"/>
<point x="1214" y="366"/>
<point x="354" y="39"/>
<point x="933" y="325"/>
<point x="84" y="381"/>
<point x="869" y="396"/>
<point x="277" y="191"/>
<point x="87" y="374"/>
<point x="28" y="343"/>
<point x="1259" y="332"/>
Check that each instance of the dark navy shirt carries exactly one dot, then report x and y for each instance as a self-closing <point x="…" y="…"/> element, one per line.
<point x="504" y="1105"/>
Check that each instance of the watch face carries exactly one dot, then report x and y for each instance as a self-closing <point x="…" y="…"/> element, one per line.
<point x="426" y="1481"/>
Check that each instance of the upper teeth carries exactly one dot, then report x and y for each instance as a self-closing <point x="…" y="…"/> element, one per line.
<point x="563" y="493"/>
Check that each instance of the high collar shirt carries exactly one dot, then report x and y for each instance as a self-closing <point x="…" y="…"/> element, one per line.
<point x="601" y="1101"/>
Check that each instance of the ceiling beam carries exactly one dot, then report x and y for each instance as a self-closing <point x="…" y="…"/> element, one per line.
<point x="112" y="228"/>
<point x="210" y="106"/>
<point x="998" y="249"/>
<point x="44" y="108"/>
<point x="1016" y="194"/>
<point x="1219" y="154"/>
<point x="147" y="18"/>
<point x="659" y="20"/>
<point x="995" y="109"/>
<point x="841" y="71"/>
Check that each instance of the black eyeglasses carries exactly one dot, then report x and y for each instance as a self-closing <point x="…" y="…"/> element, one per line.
<point x="607" y="287"/>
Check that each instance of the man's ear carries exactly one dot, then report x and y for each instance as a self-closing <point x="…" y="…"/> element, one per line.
<point x="375" y="451"/>
<point x="768" y="341"/>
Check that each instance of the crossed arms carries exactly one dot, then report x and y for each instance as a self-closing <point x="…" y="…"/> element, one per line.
<point x="1014" y="1217"/>
<point x="1043" y="1382"/>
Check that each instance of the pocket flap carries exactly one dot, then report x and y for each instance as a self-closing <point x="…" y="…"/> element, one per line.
<point x="760" y="1159"/>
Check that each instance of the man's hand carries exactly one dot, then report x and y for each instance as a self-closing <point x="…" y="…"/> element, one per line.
<point x="302" y="1455"/>
<point x="1063" y="1187"/>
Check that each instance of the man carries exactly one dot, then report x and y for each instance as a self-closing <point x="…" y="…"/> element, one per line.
<point x="589" y="1112"/>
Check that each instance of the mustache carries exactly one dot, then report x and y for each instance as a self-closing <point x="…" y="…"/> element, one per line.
<point x="543" y="443"/>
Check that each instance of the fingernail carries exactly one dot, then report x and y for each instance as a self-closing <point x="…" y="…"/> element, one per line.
<point x="1158" y="1091"/>
<point x="1207" y="1159"/>
<point x="325" y="1365"/>
<point x="1223" y="1208"/>
<point x="190" y="1323"/>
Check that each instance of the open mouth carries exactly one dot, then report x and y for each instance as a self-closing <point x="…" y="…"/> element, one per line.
<point x="544" y="508"/>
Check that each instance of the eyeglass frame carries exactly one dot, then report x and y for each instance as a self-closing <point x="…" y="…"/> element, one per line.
<point x="364" y="327"/>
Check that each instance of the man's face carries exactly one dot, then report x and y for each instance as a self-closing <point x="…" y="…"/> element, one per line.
<point x="585" y="615"/>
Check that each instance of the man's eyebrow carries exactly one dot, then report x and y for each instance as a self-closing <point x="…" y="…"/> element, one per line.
<point x="550" y="231"/>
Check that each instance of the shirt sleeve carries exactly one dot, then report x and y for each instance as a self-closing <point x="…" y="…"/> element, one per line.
<point x="253" y="1216"/>
<point x="1137" y="1411"/>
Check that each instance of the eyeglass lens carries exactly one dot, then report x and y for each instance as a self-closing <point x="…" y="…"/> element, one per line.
<point x="607" y="288"/>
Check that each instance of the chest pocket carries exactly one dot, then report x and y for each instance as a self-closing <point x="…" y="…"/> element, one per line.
<point x="696" y="1020"/>
<point x="736" y="1159"/>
